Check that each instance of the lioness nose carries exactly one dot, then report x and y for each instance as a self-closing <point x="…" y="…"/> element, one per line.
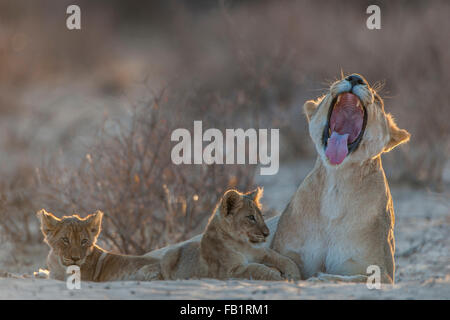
<point x="355" y="79"/>
<point x="75" y="259"/>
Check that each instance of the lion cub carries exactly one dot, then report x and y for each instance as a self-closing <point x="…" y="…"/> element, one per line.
<point x="72" y="241"/>
<point x="229" y="246"/>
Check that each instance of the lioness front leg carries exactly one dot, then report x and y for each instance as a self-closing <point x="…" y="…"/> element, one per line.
<point x="320" y="277"/>
<point x="351" y="271"/>
<point x="256" y="271"/>
<point x="287" y="267"/>
<point x="348" y="271"/>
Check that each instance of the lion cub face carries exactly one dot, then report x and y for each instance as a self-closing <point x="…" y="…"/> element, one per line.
<point x="242" y="217"/>
<point x="349" y="124"/>
<point x="71" y="238"/>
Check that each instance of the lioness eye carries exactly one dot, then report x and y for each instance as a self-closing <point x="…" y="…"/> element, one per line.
<point x="252" y="218"/>
<point x="84" y="241"/>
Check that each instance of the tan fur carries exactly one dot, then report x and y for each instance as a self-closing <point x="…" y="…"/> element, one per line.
<point x="229" y="246"/>
<point x="72" y="241"/>
<point x="341" y="218"/>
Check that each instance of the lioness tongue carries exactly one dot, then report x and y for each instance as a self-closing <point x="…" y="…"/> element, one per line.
<point x="337" y="150"/>
<point x="346" y="123"/>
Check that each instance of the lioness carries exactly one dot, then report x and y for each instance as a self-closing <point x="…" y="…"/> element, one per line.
<point x="341" y="218"/>
<point x="228" y="248"/>
<point x="72" y="241"/>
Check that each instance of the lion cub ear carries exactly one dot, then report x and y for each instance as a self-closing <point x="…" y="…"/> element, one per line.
<point x="256" y="195"/>
<point x="230" y="201"/>
<point x="48" y="221"/>
<point x="94" y="223"/>
<point x="397" y="136"/>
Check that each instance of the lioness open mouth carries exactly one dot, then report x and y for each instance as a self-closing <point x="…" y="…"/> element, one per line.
<point x="345" y="126"/>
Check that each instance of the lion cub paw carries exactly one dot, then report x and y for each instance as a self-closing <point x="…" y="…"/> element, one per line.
<point x="290" y="271"/>
<point x="274" y="275"/>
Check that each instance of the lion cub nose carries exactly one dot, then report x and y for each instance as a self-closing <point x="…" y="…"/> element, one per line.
<point x="75" y="259"/>
<point x="265" y="232"/>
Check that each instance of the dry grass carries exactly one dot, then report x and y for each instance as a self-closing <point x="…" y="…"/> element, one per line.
<point x="148" y="201"/>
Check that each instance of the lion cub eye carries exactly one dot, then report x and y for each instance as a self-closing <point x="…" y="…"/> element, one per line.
<point x="84" y="242"/>
<point x="252" y="218"/>
<point x="65" y="240"/>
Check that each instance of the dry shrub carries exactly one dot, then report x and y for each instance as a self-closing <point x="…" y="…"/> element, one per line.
<point x="263" y="58"/>
<point x="147" y="200"/>
<point x="239" y="64"/>
<point x="17" y="223"/>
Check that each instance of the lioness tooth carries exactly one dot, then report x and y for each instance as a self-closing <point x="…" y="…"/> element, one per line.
<point x="338" y="99"/>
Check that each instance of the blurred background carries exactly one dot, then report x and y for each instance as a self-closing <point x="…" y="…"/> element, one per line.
<point x="86" y="115"/>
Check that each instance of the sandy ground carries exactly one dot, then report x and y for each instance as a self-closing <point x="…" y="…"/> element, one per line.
<point x="213" y="289"/>
<point x="422" y="260"/>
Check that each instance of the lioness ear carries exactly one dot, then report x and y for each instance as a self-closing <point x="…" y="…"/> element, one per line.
<point x="256" y="195"/>
<point x="48" y="221"/>
<point x="397" y="136"/>
<point x="94" y="222"/>
<point x="309" y="108"/>
<point x="230" y="201"/>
